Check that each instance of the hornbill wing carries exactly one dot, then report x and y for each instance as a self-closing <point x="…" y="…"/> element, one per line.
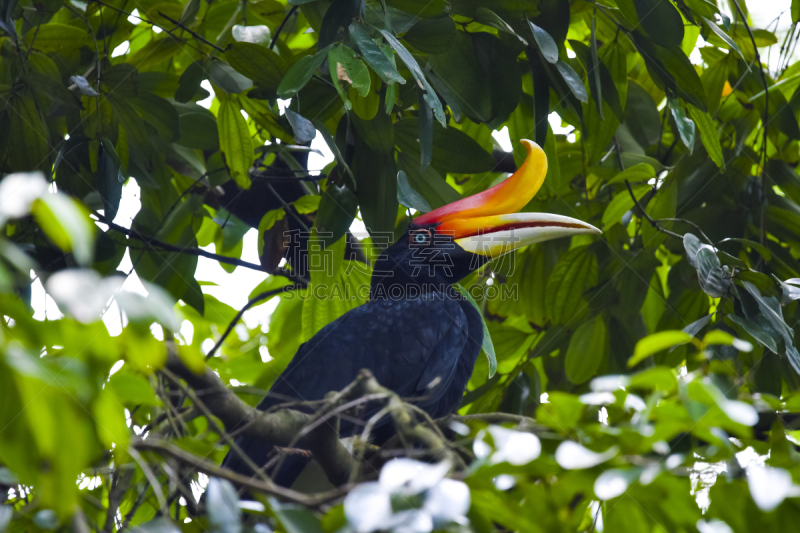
<point x="406" y="344"/>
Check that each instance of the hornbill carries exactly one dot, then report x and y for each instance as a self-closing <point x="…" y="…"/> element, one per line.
<point x="417" y="335"/>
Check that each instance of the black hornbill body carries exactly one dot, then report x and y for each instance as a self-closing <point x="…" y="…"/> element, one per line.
<point x="417" y="335"/>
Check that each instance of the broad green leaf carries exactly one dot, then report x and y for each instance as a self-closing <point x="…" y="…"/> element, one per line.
<point x="337" y="209"/>
<point x="652" y="344"/>
<point x="621" y="204"/>
<point x="53" y="37"/>
<point x="432" y="35"/>
<point x="235" y="142"/>
<point x="453" y="150"/>
<point x="709" y="135"/>
<point x="722" y="35"/>
<point x="300" y="73"/>
<point x="594" y="70"/>
<point x="756" y="331"/>
<point x="190" y="81"/>
<point x="575" y="272"/>
<point x="460" y="70"/>
<point x="159" y="113"/>
<point x="345" y="66"/>
<point x="304" y="130"/>
<point x="134" y="127"/>
<point x="258" y="63"/>
<point x="229" y="80"/>
<point x="28" y="147"/>
<point x="638" y="173"/>
<point x="586" y="350"/>
<point x="661" y="21"/>
<point x="421" y="8"/>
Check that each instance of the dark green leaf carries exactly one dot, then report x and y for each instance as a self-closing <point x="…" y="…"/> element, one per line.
<point x="709" y="135"/>
<point x="159" y="113"/>
<point x="258" y="63"/>
<point x="300" y="73"/>
<point x="586" y="351"/>
<point x="486" y="345"/>
<point x="407" y="196"/>
<point x="431" y="99"/>
<point x="230" y="81"/>
<point x="453" y="150"/>
<point x="661" y="21"/>
<point x="490" y="18"/>
<point x="547" y="46"/>
<point x="685" y="124"/>
<point x="373" y="55"/>
<point x="573" y="81"/>
<point x="433" y="188"/>
<point x="337" y="209"/>
<point x="575" y="272"/>
<point x="190" y="81"/>
<point x="432" y="35"/>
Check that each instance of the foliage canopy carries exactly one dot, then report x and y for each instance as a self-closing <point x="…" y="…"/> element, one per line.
<point x="665" y="347"/>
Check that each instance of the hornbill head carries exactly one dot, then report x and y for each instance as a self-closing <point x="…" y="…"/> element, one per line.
<point x="443" y="246"/>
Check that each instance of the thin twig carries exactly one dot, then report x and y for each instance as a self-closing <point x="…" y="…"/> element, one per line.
<point x="253" y="301"/>
<point x="655" y="224"/>
<point x="193" y="34"/>
<point x="280" y="28"/>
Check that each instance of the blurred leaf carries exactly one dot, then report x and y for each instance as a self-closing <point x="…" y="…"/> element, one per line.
<point x="67" y="224"/>
<point x="657" y="342"/>
<point x="223" y="506"/>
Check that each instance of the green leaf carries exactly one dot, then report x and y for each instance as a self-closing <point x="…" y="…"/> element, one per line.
<point x="300" y="73"/>
<point x="258" y="63"/>
<point x="326" y="135"/>
<point x="28" y="148"/>
<point x="432" y="35"/>
<point x="661" y="21"/>
<point x="453" y="150"/>
<point x="487" y="346"/>
<point x="134" y="127"/>
<point x="109" y="178"/>
<point x="575" y="272"/>
<point x="407" y="196"/>
<point x="67" y="224"/>
<point x="345" y="66"/>
<point x="586" y="350"/>
<point x="709" y="135"/>
<point x="222" y="503"/>
<point x="190" y="81"/>
<point x="337" y="209"/>
<point x="638" y="173"/>
<point x="685" y="124"/>
<point x="663" y="205"/>
<point x="429" y="184"/>
<point x="304" y="130"/>
<point x="652" y="344"/>
<point x="53" y="37"/>
<point x="224" y="76"/>
<point x="460" y="70"/>
<point x="235" y="142"/>
<point x="722" y="35"/>
<point x="416" y="71"/>
<point x="756" y="331"/>
<point x="421" y="8"/>
<point x="376" y="182"/>
<point x="490" y="18"/>
<point x="574" y="82"/>
<point x="621" y="204"/>
<point x="795" y="11"/>
<point x="673" y="70"/>
<point x="547" y="46"/>
<point x="159" y="113"/>
<point x="373" y="55"/>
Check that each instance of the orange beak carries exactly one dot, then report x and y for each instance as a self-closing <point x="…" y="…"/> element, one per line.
<point x="488" y="223"/>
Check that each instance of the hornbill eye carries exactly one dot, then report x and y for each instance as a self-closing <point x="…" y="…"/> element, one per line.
<point x="422" y="236"/>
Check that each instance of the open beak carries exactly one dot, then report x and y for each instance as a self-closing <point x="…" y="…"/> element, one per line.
<point x="488" y="223"/>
